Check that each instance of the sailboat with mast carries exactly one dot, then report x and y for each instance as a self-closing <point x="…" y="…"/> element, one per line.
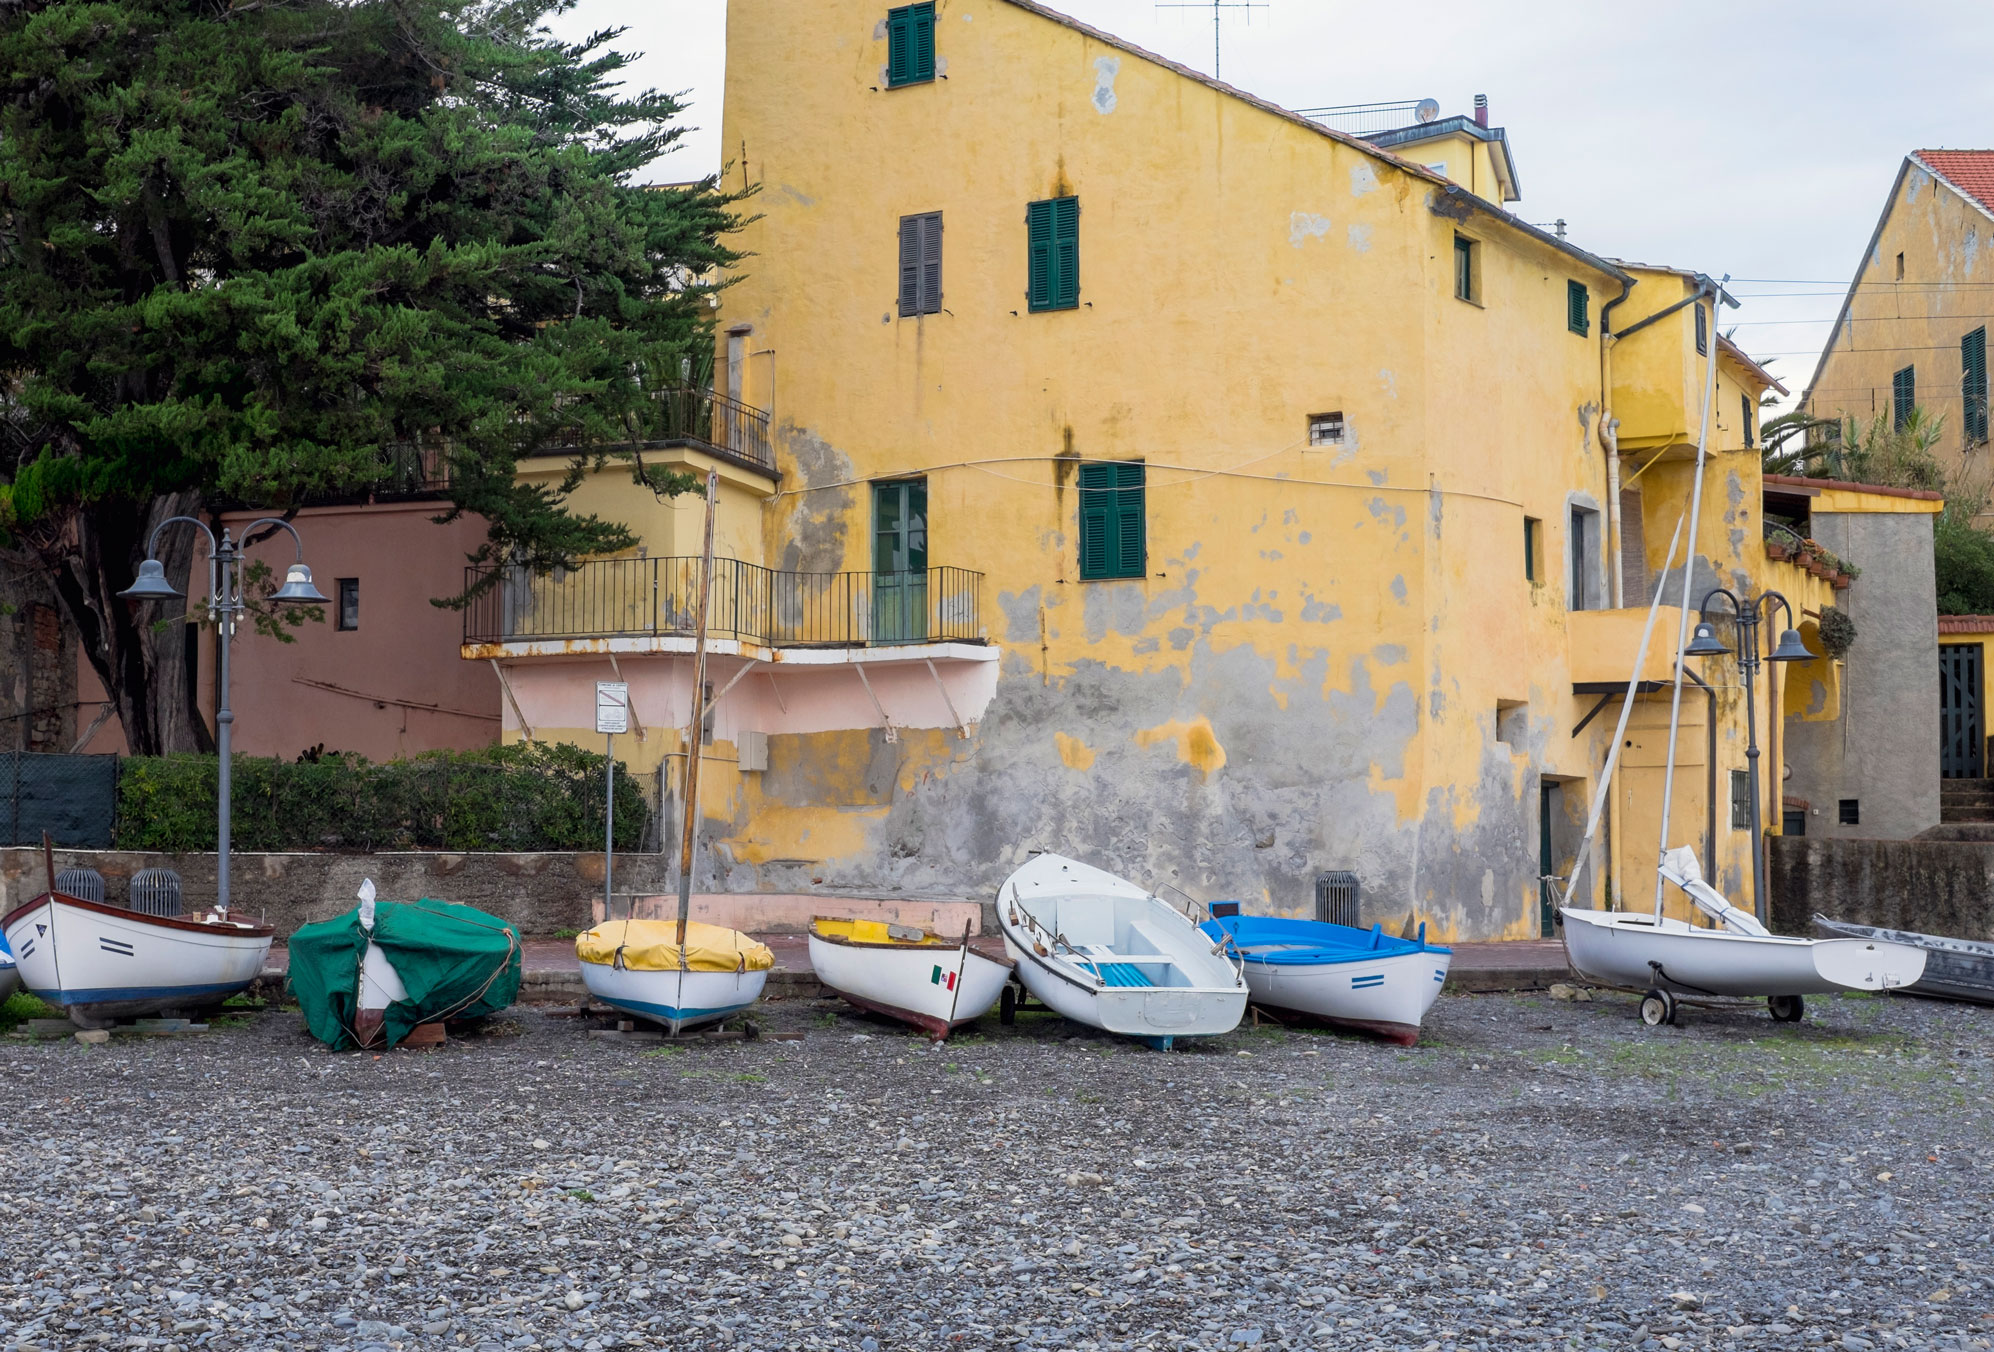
<point x="690" y="974"/>
<point x="1663" y="958"/>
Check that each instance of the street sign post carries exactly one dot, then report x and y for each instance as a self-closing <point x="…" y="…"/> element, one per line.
<point x="612" y="715"/>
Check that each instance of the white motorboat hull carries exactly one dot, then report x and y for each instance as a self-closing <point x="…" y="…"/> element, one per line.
<point x="10" y="976"/>
<point x="1633" y="951"/>
<point x="935" y="989"/>
<point x="1192" y="992"/>
<point x="678" y="1000"/>
<point x="100" y="962"/>
<point x="1388" y="995"/>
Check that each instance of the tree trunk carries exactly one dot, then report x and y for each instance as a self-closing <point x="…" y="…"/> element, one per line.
<point x="143" y="652"/>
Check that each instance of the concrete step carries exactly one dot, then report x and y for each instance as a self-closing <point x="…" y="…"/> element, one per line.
<point x="1951" y="814"/>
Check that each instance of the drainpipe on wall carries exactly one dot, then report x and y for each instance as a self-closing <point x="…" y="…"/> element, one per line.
<point x="1609" y="440"/>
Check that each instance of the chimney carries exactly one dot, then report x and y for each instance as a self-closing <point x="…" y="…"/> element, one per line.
<point x="1481" y="110"/>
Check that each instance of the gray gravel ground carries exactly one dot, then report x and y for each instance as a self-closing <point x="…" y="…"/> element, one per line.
<point x="1538" y="1174"/>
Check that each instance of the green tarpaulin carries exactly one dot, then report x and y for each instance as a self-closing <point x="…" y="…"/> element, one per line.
<point x="455" y="962"/>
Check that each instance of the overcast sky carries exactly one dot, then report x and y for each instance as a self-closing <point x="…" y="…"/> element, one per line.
<point x="1740" y="136"/>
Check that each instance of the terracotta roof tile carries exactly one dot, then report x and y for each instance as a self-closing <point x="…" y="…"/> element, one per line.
<point x="1969" y="171"/>
<point x="1966" y="624"/>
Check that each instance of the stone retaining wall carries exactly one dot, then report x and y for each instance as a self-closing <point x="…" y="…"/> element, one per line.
<point x="1929" y="886"/>
<point x="540" y="893"/>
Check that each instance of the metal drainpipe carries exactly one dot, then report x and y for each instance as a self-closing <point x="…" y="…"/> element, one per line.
<point x="1609" y="439"/>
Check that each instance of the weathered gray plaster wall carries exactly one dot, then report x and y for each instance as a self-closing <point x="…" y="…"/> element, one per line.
<point x="1927" y="886"/>
<point x="1884" y="749"/>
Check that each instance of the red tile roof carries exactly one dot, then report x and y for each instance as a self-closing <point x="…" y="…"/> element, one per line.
<point x="1796" y="481"/>
<point x="1971" y="172"/>
<point x="1966" y="624"/>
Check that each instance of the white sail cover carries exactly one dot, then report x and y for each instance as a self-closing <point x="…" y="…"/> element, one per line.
<point x="1679" y="866"/>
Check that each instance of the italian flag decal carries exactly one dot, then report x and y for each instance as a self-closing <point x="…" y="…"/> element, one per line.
<point x="946" y="980"/>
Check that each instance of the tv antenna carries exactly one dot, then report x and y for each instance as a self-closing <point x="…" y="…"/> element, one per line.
<point x="1218" y="8"/>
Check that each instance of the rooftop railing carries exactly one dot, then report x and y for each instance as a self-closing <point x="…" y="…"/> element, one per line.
<point x="614" y="598"/>
<point x="688" y="412"/>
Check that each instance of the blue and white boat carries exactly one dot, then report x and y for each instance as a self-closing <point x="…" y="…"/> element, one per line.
<point x="10" y="974"/>
<point x="1336" y="974"/>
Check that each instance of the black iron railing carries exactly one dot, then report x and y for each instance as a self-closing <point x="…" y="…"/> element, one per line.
<point x="610" y="598"/>
<point x="703" y="415"/>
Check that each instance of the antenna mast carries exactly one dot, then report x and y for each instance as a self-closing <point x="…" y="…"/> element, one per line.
<point x="1218" y="8"/>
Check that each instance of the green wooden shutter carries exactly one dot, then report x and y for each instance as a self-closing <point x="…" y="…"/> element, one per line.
<point x="931" y="263"/>
<point x="1130" y="527"/>
<point x="1038" y="249"/>
<point x="1577" y="304"/>
<point x="1052" y="243"/>
<point x="910" y="44"/>
<point x="1702" y="331"/>
<point x="1973" y="383"/>
<point x="1113" y="529"/>
<point x="1066" y="251"/>
<point x="1903" y="395"/>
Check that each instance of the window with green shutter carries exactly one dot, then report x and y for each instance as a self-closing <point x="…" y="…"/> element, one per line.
<point x="910" y="44"/>
<point x="1052" y="248"/>
<point x="1702" y="331"/>
<point x="1578" y="308"/>
<point x="1113" y="534"/>
<point x="1903" y="396"/>
<point x="1973" y="383"/>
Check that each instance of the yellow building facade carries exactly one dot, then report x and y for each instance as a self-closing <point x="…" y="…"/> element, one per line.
<point x="1912" y="331"/>
<point x="1159" y="477"/>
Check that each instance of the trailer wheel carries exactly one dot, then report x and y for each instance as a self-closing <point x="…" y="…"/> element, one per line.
<point x="1007" y="1005"/>
<point x="1786" y="1008"/>
<point x="1657" y="1008"/>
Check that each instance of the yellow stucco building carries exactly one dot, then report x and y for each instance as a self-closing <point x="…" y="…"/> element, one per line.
<point x="1912" y="331"/>
<point x="1138" y="470"/>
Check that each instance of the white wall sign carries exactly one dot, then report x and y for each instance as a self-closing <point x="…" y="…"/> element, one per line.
<point x="612" y="706"/>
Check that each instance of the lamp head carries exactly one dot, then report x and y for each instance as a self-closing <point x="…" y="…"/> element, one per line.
<point x="298" y="586"/>
<point x="1790" y="649"/>
<point x="150" y="584"/>
<point x="1704" y="643"/>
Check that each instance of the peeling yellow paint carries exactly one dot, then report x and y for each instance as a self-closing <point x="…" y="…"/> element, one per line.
<point x="1197" y="746"/>
<point x="1075" y="753"/>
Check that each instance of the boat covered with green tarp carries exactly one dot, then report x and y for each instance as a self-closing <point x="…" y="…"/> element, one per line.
<point x="371" y="976"/>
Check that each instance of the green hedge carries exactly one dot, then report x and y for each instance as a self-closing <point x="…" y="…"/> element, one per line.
<point x="536" y="796"/>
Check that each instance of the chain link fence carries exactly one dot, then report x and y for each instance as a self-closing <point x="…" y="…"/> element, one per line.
<point x="73" y="798"/>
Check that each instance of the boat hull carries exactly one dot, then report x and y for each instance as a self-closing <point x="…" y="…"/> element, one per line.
<point x="1188" y="991"/>
<point x="1633" y="951"/>
<point x="1388" y="997"/>
<point x="902" y="982"/>
<point x="1955" y="969"/>
<point x="677" y="1000"/>
<point x="99" y="962"/>
<point x="10" y="976"/>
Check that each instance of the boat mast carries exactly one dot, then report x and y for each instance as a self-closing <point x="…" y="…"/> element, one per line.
<point x="1716" y="292"/>
<point x="690" y="829"/>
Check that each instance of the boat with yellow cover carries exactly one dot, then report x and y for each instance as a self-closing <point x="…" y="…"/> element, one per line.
<point x="906" y="972"/>
<point x="638" y="967"/>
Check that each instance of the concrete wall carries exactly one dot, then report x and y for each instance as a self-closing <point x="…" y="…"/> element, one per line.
<point x="396" y="685"/>
<point x="540" y="893"/>
<point x="1927" y="886"/>
<point x="1884" y="749"/>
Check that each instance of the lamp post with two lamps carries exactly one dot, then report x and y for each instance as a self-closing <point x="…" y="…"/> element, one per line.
<point x="1747" y="616"/>
<point x="225" y="605"/>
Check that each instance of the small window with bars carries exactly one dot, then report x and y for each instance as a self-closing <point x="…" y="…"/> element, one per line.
<point x="1325" y="429"/>
<point x="1578" y="308"/>
<point x="1741" y="800"/>
<point x="910" y="44"/>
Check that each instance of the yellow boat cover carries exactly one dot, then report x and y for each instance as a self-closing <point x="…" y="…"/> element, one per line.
<point x="652" y="946"/>
<point x="879" y="932"/>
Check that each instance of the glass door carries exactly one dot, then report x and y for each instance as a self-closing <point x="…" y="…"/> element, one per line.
<point x="900" y="561"/>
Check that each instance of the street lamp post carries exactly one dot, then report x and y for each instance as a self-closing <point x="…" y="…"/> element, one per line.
<point x="1747" y="616"/>
<point x="224" y="604"/>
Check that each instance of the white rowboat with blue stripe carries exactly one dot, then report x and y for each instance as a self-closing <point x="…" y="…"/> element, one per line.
<point x="1336" y="974"/>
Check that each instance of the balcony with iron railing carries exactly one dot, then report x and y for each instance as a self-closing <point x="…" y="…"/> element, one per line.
<point x="714" y="422"/>
<point x="658" y="598"/>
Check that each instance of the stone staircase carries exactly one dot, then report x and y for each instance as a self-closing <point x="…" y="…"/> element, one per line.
<point x="1966" y="800"/>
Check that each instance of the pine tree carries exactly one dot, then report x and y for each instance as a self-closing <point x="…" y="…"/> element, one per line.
<point x="253" y="251"/>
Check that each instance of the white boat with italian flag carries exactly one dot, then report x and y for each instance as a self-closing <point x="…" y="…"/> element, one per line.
<point x="906" y="972"/>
